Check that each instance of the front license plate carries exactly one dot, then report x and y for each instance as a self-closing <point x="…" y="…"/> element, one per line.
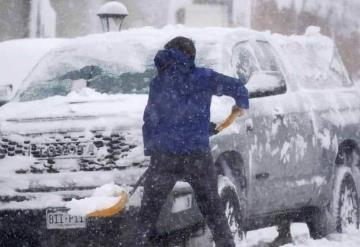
<point x="58" y="218"/>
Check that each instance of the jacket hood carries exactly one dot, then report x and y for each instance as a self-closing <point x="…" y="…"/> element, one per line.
<point x="170" y="59"/>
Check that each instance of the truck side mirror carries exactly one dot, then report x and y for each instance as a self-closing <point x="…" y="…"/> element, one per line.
<point x="262" y="84"/>
<point x="6" y="92"/>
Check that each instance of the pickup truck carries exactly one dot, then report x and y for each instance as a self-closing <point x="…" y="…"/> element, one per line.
<point x="75" y="125"/>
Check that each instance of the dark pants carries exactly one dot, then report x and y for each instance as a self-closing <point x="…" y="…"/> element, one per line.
<point x="284" y="228"/>
<point x="198" y="170"/>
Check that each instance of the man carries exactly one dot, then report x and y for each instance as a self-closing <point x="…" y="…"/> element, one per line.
<point x="176" y="136"/>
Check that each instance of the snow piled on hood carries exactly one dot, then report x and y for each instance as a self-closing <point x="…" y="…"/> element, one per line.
<point x="84" y="110"/>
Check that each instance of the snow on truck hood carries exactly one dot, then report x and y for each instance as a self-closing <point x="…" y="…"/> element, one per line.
<point x="82" y="111"/>
<point x="86" y="111"/>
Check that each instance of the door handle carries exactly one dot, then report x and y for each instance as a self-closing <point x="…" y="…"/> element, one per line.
<point x="249" y="125"/>
<point x="261" y="176"/>
<point x="279" y="116"/>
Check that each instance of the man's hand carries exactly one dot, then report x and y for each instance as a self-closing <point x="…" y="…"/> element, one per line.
<point x="213" y="129"/>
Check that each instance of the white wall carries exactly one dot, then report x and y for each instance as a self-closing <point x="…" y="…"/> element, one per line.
<point x="242" y="13"/>
<point x="42" y="19"/>
<point x="200" y="15"/>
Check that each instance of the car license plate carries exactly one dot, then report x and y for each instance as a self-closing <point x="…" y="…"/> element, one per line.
<point x="58" y="218"/>
<point x="181" y="203"/>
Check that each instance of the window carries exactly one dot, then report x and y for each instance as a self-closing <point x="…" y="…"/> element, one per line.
<point x="95" y="77"/>
<point x="316" y="64"/>
<point x="267" y="57"/>
<point x="180" y="16"/>
<point x="259" y="67"/>
<point x="338" y="71"/>
<point x="245" y="61"/>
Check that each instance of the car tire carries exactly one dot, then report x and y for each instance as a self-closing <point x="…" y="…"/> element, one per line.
<point x="347" y="215"/>
<point x="342" y="214"/>
<point x="233" y="212"/>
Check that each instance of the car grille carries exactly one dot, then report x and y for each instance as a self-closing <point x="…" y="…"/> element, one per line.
<point x="84" y="150"/>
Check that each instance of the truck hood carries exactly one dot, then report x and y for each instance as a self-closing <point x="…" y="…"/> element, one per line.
<point x="60" y="114"/>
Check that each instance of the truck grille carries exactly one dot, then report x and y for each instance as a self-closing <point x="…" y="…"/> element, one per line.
<point x="98" y="153"/>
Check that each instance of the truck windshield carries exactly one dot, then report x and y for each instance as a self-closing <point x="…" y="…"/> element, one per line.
<point x="107" y="67"/>
<point x="95" y="77"/>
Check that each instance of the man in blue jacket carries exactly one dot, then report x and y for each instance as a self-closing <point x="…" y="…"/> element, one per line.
<point x="176" y="136"/>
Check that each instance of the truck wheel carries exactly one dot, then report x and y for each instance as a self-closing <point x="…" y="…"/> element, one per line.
<point x="342" y="214"/>
<point x="233" y="212"/>
<point x="347" y="216"/>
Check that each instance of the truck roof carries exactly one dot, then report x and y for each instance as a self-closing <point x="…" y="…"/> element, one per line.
<point x="304" y="56"/>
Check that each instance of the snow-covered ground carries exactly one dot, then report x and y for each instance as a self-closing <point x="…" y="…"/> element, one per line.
<point x="300" y="234"/>
<point x="301" y="238"/>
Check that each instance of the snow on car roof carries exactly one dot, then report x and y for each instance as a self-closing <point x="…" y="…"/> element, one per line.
<point x="309" y="58"/>
<point x="134" y="49"/>
<point x="305" y="56"/>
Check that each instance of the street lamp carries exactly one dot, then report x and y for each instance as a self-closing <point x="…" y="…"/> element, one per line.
<point x="112" y="15"/>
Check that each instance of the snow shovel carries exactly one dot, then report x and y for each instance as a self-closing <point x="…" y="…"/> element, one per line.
<point x="228" y="121"/>
<point x="121" y="203"/>
<point x="123" y="198"/>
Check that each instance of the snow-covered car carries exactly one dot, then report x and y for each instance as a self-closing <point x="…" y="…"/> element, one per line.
<point x="76" y="125"/>
<point x="18" y="57"/>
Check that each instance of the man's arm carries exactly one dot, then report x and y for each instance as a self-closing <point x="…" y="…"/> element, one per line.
<point x="225" y="85"/>
<point x="151" y="120"/>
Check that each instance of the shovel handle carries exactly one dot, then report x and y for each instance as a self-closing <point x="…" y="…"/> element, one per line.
<point x="139" y="181"/>
<point x="228" y="121"/>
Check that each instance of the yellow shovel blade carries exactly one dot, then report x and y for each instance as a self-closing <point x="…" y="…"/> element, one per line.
<point x="115" y="209"/>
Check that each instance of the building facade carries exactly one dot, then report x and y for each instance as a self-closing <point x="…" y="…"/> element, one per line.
<point x="14" y="19"/>
<point x="69" y="18"/>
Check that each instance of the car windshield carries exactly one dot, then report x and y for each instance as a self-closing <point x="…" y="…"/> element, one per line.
<point x="115" y="68"/>
<point x="101" y="79"/>
<point x="107" y="68"/>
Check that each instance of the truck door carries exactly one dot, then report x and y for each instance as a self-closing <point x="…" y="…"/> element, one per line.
<point x="291" y="148"/>
<point x="267" y="132"/>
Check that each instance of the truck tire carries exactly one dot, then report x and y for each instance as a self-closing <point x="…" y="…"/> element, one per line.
<point x="347" y="215"/>
<point x="233" y="212"/>
<point x="342" y="214"/>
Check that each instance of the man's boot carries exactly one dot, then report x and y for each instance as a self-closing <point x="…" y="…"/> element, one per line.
<point x="284" y="236"/>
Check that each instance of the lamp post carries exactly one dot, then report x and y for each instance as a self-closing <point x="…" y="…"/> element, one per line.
<point x="112" y="15"/>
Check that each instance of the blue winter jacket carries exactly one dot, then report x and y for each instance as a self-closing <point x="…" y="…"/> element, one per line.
<point x="177" y="115"/>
